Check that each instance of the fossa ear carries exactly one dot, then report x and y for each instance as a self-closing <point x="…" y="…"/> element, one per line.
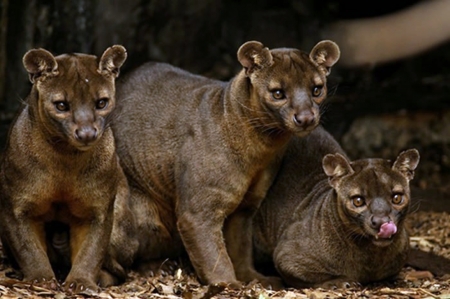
<point x="40" y="64"/>
<point x="253" y="55"/>
<point x="335" y="167"/>
<point x="111" y="61"/>
<point x="325" y="54"/>
<point x="406" y="163"/>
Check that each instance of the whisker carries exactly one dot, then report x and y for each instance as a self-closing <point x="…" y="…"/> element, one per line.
<point x="333" y="89"/>
<point x="249" y="108"/>
<point x="22" y="101"/>
<point x="415" y="207"/>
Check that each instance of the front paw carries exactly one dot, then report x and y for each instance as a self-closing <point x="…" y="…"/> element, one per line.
<point x="50" y="283"/>
<point x="107" y="279"/>
<point x="271" y="282"/>
<point x="80" y="286"/>
<point x="268" y="282"/>
<point x="339" y="284"/>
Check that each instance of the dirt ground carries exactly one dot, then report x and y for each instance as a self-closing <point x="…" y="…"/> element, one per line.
<point x="430" y="231"/>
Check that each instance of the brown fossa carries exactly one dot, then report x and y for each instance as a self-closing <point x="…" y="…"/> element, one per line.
<point x="199" y="153"/>
<point x="330" y="222"/>
<point x="60" y="169"/>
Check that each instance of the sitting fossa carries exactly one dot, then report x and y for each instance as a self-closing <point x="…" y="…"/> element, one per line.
<point x="59" y="173"/>
<point x="199" y="155"/>
<point x="327" y="221"/>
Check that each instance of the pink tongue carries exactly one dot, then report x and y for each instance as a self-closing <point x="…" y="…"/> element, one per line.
<point x="387" y="229"/>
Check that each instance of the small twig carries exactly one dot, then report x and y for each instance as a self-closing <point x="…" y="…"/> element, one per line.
<point x="428" y="293"/>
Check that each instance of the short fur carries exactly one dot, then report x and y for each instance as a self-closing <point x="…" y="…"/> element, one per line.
<point x="200" y="153"/>
<point x="310" y="228"/>
<point x="60" y="168"/>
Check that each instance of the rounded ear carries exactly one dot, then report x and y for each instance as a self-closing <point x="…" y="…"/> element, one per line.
<point x="406" y="163"/>
<point x="40" y="64"/>
<point x="335" y="167"/>
<point x="111" y="61"/>
<point x="253" y="55"/>
<point x="325" y="54"/>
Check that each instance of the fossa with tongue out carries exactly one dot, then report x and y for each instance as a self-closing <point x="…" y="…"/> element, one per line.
<point x="331" y="222"/>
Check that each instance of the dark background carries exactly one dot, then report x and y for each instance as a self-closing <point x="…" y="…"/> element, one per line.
<point x="373" y="111"/>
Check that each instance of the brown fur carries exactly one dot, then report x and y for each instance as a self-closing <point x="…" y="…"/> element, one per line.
<point x="428" y="261"/>
<point x="310" y="228"/>
<point x="199" y="153"/>
<point x="60" y="167"/>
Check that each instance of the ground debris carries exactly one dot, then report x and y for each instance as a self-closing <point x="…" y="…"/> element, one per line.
<point x="430" y="231"/>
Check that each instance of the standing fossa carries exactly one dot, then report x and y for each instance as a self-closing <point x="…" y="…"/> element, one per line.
<point x="328" y="222"/>
<point x="60" y="168"/>
<point x="199" y="153"/>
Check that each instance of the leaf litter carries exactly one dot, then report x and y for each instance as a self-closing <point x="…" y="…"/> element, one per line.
<point x="430" y="231"/>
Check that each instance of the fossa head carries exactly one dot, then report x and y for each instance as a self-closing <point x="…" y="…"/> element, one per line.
<point x="74" y="94"/>
<point x="289" y="81"/>
<point x="373" y="195"/>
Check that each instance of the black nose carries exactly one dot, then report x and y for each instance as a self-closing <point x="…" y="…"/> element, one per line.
<point x="377" y="221"/>
<point x="304" y="119"/>
<point x="86" y="134"/>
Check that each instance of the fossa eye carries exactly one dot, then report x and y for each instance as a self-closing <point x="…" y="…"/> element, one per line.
<point x="61" y="106"/>
<point x="278" y="94"/>
<point x="101" y="103"/>
<point x="358" y="201"/>
<point x="317" y="91"/>
<point x="397" y="198"/>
